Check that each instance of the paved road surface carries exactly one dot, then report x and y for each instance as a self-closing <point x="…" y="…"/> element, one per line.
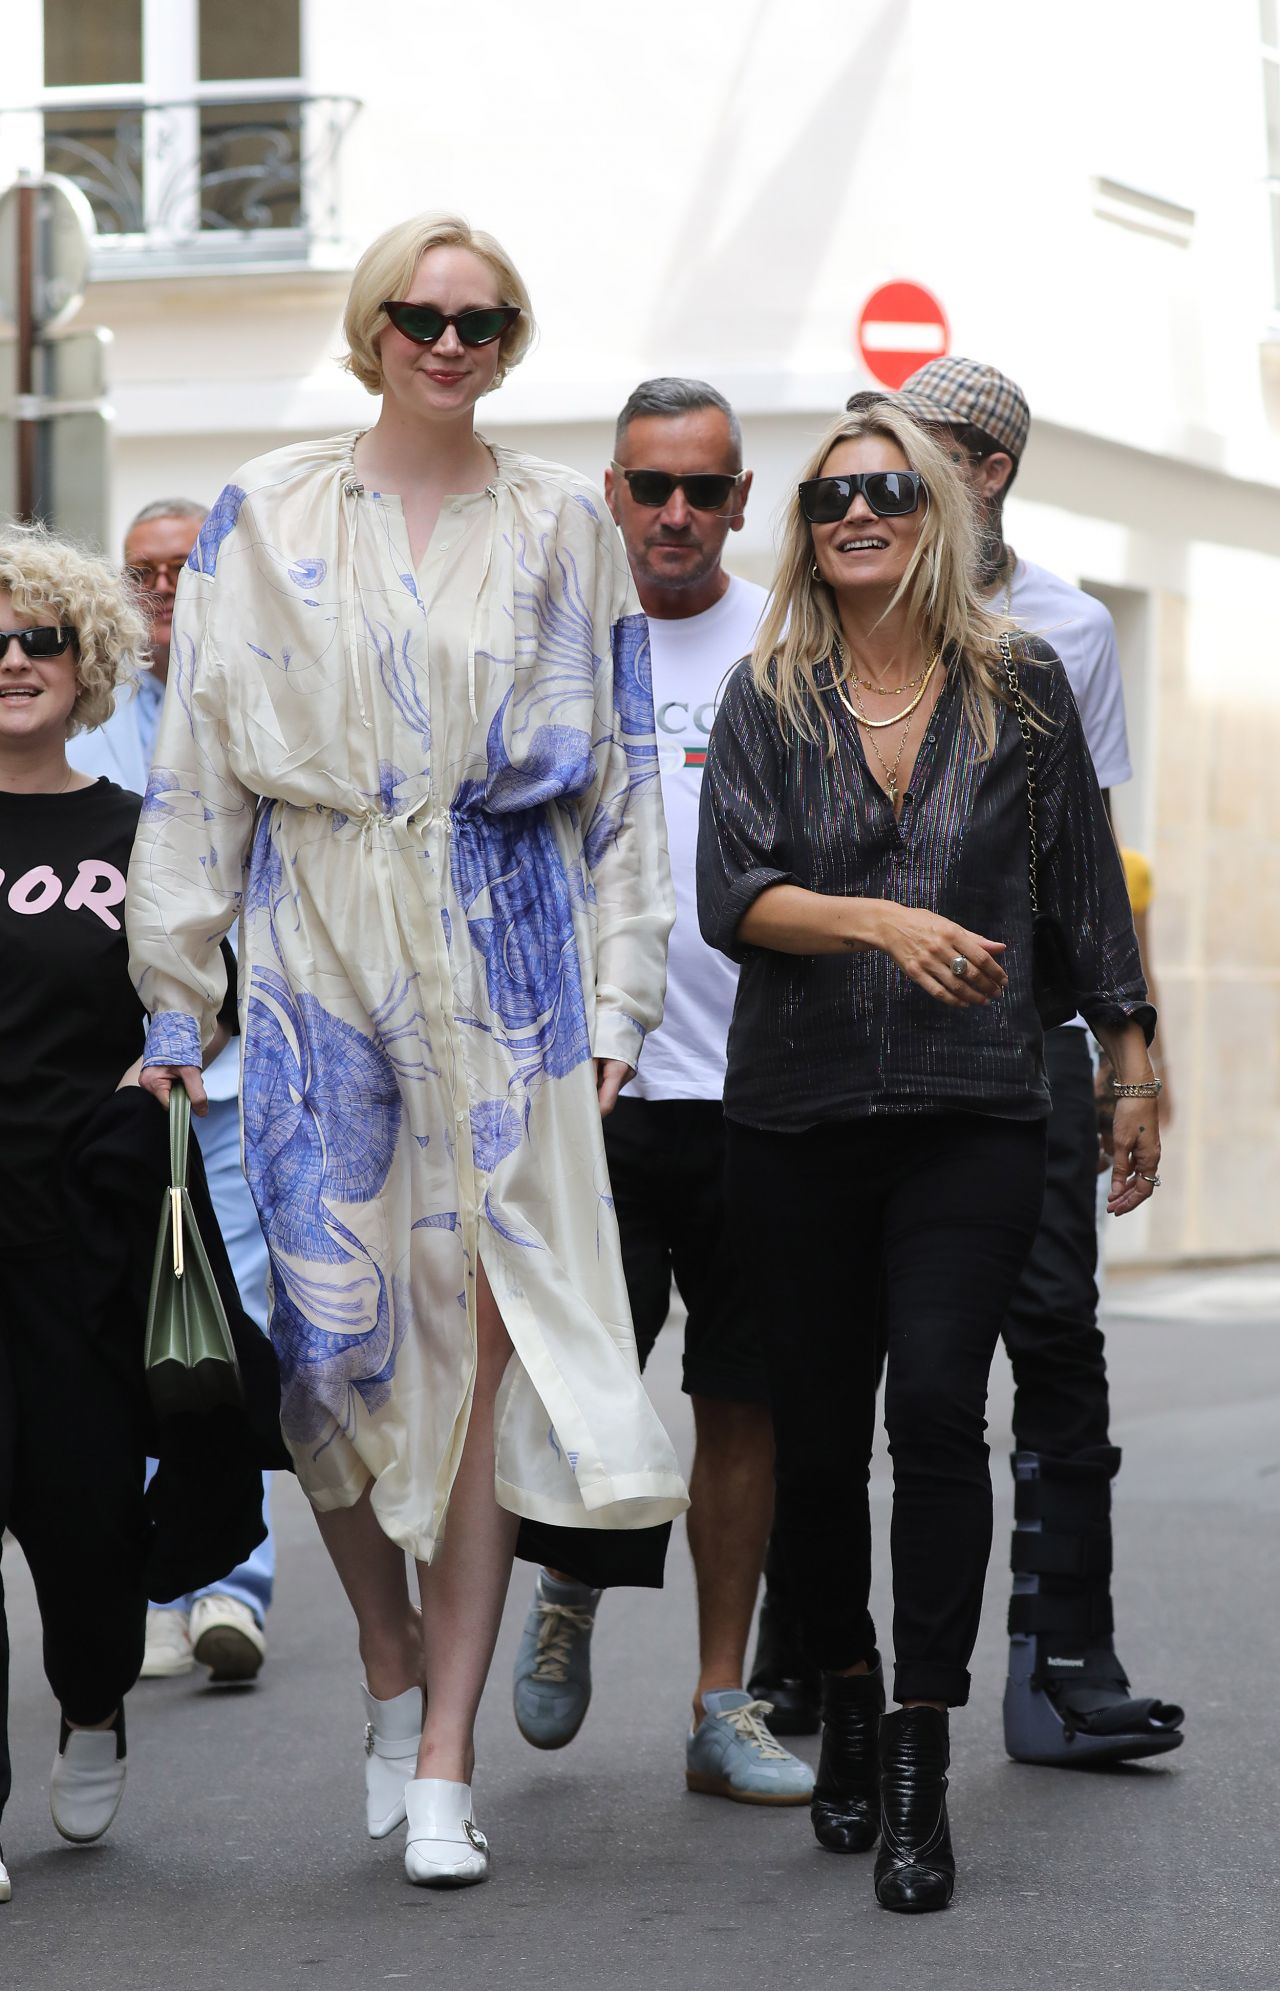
<point x="239" y="1863"/>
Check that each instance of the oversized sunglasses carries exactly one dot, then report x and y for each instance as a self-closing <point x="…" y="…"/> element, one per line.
<point x="706" y="491"/>
<point x="424" y="324"/>
<point x="42" y="642"/>
<point x="889" y="494"/>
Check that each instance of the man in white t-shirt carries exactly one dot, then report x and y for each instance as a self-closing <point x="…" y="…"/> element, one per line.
<point x="677" y="488"/>
<point x="1067" y="1699"/>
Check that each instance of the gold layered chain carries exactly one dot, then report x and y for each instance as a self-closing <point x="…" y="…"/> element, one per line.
<point x="857" y="711"/>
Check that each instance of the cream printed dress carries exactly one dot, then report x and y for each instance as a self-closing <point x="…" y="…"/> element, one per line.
<point x="431" y="801"/>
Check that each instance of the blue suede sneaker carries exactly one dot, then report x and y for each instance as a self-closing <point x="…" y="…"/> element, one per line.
<point x="552" y="1684"/>
<point x="732" y="1754"/>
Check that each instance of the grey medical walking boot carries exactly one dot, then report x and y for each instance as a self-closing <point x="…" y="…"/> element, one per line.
<point x="1067" y="1702"/>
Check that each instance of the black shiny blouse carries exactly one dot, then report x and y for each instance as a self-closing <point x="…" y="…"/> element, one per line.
<point x="840" y="1037"/>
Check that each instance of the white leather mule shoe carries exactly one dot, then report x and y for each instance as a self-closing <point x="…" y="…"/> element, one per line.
<point x="392" y="1731"/>
<point x="444" y="1848"/>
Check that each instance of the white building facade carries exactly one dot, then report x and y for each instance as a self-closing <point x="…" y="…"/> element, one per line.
<point x="715" y="188"/>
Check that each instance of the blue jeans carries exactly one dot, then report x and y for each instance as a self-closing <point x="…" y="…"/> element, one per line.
<point x="219" y="1136"/>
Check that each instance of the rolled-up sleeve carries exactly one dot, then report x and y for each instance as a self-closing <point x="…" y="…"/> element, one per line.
<point x="743" y="838"/>
<point x="1081" y="876"/>
<point x="186" y="873"/>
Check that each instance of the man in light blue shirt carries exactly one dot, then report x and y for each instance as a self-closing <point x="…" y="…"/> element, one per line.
<point x="221" y="1627"/>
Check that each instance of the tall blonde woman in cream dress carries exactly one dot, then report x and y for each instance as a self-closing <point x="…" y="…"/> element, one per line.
<point x="408" y="743"/>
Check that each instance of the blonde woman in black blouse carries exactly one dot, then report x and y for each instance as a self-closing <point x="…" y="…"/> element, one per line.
<point x="865" y="855"/>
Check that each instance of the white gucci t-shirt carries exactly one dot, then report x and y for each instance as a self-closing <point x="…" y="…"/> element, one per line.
<point x="692" y="656"/>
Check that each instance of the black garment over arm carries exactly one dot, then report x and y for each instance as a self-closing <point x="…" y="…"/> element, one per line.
<point x="842" y="1036"/>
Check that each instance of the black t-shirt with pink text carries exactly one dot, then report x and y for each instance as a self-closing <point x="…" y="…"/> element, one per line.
<point x="70" y="1019"/>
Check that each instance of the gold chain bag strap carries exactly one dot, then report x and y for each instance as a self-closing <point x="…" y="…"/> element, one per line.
<point x="1051" y="971"/>
<point x="190" y="1358"/>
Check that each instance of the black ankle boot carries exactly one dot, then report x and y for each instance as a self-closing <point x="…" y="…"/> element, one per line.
<point x="782" y="1674"/>
<point x="846" y="1797"/>
<point x="915" y="1867"/>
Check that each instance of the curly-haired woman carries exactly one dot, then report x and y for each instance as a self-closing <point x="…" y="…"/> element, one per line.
<point x="71" y="1442"/>
<point x="408" y="740"/>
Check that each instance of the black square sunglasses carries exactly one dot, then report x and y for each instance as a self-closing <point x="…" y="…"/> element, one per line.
<point x="424" y="324"/>
<point x="42" y="642"/>
<point x="706" y="491"/>
<point x="889" y="494"/>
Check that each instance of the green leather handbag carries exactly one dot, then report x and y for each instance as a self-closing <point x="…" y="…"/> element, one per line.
<point x="190" y="1357"/>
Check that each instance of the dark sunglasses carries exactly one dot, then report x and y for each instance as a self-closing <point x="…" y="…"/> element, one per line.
<point x="424" y="324"/>
<point x="889" y="493"/>
<point x="706" y="491"/>
<point x="42" y="642"/>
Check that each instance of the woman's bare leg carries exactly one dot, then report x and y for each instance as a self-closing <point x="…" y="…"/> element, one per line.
<point x="372" y="1571"/>
<point x="464" y="1589"/>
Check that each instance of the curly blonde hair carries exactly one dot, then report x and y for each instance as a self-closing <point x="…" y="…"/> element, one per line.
<point x="87" y="595"/>
<point x="387" y="268"/>
<point x="801" y="627"/>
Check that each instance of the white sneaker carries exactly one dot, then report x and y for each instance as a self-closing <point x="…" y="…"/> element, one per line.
<point x="226" y="1637"/>
<point x="392" y="1731"/>
<point x="88" y="1780"/>
<point x="6" y="1886"/>
<point x="168" y="1649"/>
<point x="444" y="1848"/>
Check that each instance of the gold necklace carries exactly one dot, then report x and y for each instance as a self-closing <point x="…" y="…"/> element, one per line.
<point x="889" y="690"/>
<point x="897" y="718"/>
<point x="890" y="773"/>
<point x="885" y="690"/>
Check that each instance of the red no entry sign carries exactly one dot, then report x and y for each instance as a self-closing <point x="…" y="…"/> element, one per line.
<point x="900" y="326"/>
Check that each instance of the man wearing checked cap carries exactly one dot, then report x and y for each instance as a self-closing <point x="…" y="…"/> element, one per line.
<point x="1067" y="1700"/>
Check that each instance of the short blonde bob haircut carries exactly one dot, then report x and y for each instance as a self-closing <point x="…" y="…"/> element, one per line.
<point x="387" y="269"/>
<point x="801" y="626"/>
<point x="51" y="577"/>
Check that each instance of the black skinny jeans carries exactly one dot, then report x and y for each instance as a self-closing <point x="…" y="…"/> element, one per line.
<point x="924" y="1222"/>
<point x="1051" y="1331"/>
<point x="72" y="1463"/>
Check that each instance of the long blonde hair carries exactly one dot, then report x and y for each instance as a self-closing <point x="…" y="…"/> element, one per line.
<point x="800" y="630"/>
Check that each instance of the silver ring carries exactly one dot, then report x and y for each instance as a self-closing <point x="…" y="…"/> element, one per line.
<point x="960" y="966"/>
<point x="1154" y="1180"/>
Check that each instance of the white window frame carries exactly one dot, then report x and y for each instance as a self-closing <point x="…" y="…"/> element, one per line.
<point x="170" y="97"/>
<point x="1271" y="77"/>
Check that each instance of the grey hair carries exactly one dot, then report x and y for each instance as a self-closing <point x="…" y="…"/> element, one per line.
<point x="168" y="508"/>
<point x="670" y="395"/>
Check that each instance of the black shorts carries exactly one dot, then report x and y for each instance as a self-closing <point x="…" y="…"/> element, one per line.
<point x="666" y="1163"/>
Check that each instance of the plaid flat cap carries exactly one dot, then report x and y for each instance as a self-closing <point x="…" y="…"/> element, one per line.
<point x="965" y="391"/>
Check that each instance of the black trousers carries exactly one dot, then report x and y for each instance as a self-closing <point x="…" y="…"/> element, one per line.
<point x="924" y="1224"/>
<point x="1051" y="1330"/>
<point x="72" y="1460"/>
<point x="666" y="1170"/>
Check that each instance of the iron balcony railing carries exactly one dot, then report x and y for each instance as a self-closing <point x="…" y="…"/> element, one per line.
<point x="242" y="173"/>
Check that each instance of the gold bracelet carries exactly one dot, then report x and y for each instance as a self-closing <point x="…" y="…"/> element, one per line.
<point x="1150" y="1088"/>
